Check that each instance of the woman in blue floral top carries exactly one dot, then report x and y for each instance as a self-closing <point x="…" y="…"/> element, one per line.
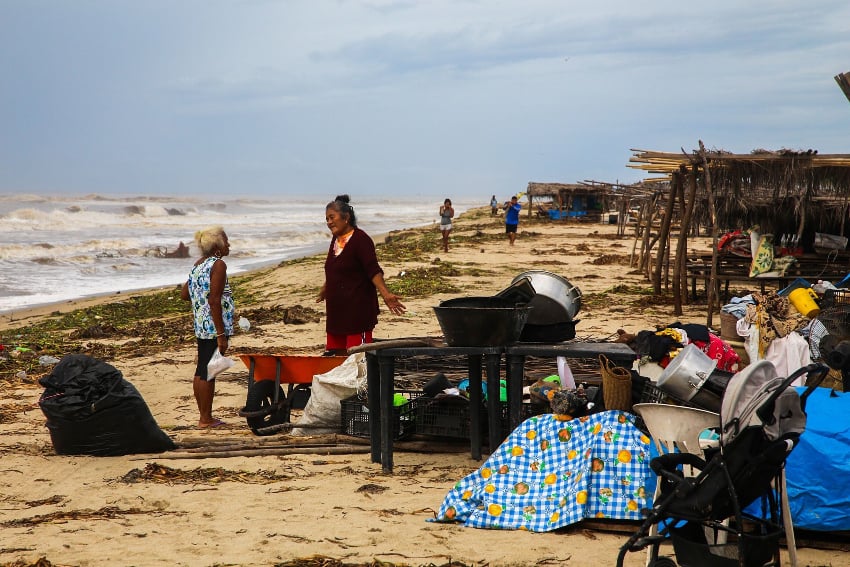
<point x="212" y="311"/>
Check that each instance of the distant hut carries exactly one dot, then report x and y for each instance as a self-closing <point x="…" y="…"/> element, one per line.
<point x="568" y="200"/>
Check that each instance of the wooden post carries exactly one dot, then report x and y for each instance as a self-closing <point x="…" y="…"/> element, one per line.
<point x="663" y="239"/>
<point x="680" y="276"/>
<point x="712" y="291"/>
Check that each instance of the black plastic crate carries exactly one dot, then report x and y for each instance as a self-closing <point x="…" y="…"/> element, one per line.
<point x="835" y="298"/>
<point x="653" y="394"/>
<point x="449" y="416"/>
<point x="355" y="415"/>
<point x="526" y="410"/>
<point x="446" y="416"/>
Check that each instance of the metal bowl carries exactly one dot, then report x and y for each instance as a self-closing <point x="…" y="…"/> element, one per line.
<point x="481" y="321"/>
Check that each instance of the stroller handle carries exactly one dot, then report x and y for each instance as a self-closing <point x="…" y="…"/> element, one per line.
<point x="817" y="373"/>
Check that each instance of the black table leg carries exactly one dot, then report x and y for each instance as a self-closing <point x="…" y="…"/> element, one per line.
<point x="373" y="394"/>
<point x="387" y="364"/>
<point x="515" y="371"/>
<point x="492" y="363"/>
<point x="474" y="370"/>
<point x="493" y="406"/>
<point x="514" y="375"/>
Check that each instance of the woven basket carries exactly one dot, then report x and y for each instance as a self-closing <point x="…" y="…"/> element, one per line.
<point x="616" y="385"/>
<point x="729" y="327"/>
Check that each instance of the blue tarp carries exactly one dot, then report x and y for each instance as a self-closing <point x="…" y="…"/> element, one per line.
<point x="818" y="469"/>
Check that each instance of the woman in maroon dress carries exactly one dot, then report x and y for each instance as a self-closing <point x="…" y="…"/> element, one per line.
<point x="353" y="279"/>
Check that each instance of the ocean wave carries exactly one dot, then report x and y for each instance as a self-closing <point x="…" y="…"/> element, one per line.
<point x="64" y="247"/>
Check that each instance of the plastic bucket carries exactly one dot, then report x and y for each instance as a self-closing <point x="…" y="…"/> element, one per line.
<point x="803" y="299"/>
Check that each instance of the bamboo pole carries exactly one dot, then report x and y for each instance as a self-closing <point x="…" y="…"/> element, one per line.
<point x="682" y="247"/>
<point x="354" y="448"/>
<point x="663" y="239"/>
<point x="328" y="438"/>
<point x="713" y="291"/>
<point x="264" y="452"/>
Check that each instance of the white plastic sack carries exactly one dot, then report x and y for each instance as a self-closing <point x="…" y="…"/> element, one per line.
<point x="327" y="390"/>
<point x="568" y="381"/>
<point x="751" y="334"/>
<point x="789" y="353"/>
<point x="218" y="364"/>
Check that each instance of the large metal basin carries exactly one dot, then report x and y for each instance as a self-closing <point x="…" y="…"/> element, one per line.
<point x="481" y="321"/>
<point x="555" y="299"/>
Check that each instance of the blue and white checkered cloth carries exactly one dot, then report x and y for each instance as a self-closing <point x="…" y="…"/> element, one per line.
<point x="551" y="473"/>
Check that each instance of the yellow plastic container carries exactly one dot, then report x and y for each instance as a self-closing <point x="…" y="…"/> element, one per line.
<point x="804" y="300"/>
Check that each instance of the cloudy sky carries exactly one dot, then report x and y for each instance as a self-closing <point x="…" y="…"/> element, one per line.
<point x="460" y="98"/>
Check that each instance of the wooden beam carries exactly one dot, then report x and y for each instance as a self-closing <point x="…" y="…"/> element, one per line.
<point x="843" y="80"/>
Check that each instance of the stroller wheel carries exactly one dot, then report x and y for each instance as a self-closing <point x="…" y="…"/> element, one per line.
<point x="260" y="411"/>
<point x="662" y="562"/>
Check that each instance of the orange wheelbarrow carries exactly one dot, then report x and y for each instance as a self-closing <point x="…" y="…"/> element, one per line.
<point x="267" y="405"/>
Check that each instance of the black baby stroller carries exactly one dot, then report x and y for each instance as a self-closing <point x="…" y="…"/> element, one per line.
<point x="761" y="420"/>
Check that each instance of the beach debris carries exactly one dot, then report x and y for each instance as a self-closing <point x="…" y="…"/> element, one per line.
<point x="155" y="472"/>
<point x="422" y="282"/>
<point x="46" y="360"/>
<point x="40" y="562"/>
<point x="325" y="561"/>
<point x="244" y="324"/>
<point x="372" y="489"/>
<point x="9" y="412"/>
<point x="104" y="513"/>
<point x="300" y="315"/>
<point x="607" y="259"/>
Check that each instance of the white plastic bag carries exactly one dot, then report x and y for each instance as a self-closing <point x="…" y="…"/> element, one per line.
<point x="326" y="392"/>
<point x="218" y="364"/>
<point x="568" y="382"/>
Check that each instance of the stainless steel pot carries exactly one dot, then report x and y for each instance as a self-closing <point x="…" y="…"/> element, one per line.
<point x="555" y="299"/>
<point x="692" y="376"/>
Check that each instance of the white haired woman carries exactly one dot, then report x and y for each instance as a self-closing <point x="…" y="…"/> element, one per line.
<point x="212" y="313"/>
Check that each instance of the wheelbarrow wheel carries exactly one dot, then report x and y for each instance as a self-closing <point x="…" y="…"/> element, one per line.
<point x="260" y="410"/>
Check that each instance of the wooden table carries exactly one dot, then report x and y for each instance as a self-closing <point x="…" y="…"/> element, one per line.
<point x="380" y="377"/>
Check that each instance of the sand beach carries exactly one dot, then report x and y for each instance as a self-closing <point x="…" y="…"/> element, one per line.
<point x="269" y="509"/>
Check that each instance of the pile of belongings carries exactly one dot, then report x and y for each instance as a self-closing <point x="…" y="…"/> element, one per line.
<point x="774" y="330"/>
<point x="662" y="345"/>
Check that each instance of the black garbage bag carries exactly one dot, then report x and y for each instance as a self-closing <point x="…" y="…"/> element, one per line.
<point x="92" y="410"/>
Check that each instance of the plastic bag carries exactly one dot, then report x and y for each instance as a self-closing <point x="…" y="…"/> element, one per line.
<point x="326" y="393"/>
<point x="92" y="410"/>
<point x="218" y="364"/>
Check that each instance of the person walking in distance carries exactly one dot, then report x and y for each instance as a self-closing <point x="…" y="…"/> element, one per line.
<point x="446" y="214"/>
<point x="512" y="219"/>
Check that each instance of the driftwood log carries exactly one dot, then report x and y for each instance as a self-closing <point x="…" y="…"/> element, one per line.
<point x="331" y="444"/>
